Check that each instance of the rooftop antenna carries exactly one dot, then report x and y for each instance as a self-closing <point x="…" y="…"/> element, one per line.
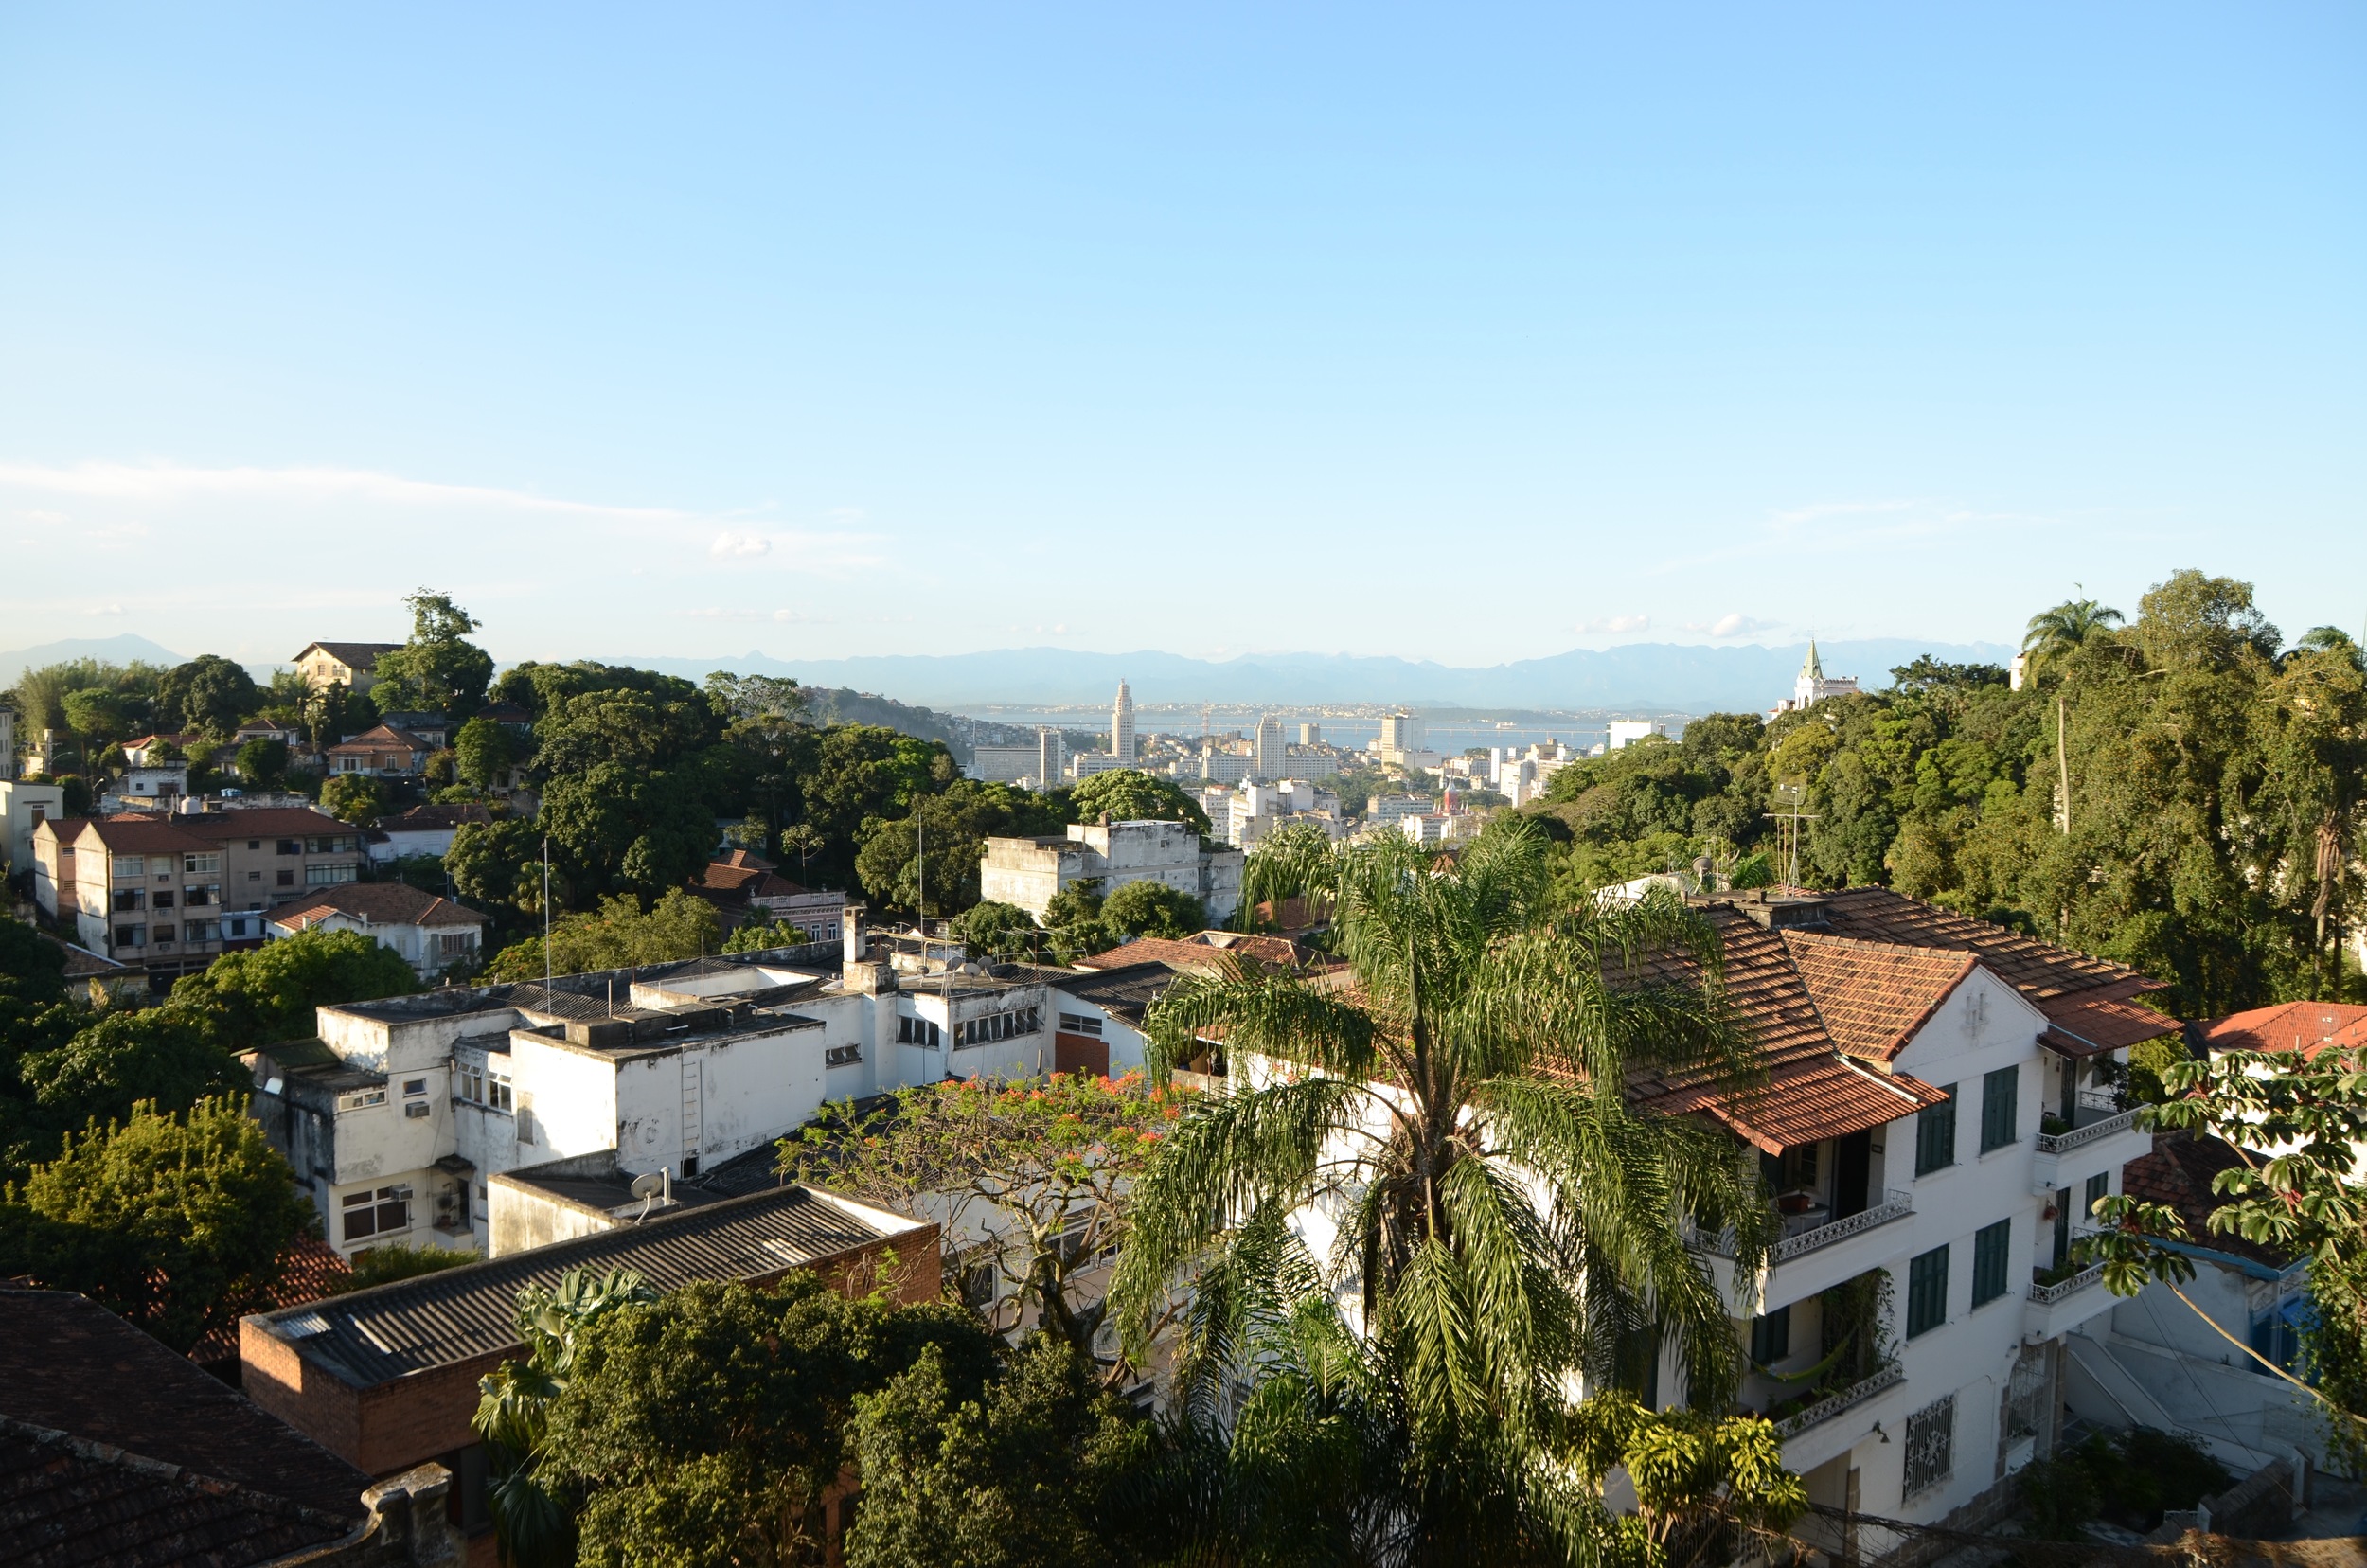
<point x="547" y="919"/>
<point x="1788" y="828"/>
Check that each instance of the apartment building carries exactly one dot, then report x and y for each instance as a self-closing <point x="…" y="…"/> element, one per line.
<point x="1029" y="871"/>
<point x="170" y="892"/>
<point x="1942" y="1107"/>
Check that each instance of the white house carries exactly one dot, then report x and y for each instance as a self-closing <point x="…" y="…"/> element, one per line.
<point x="24" y="806"/>
<point x="398" y="1116"/>
<point x="432" y="933"/>
<point x="424" y="831"/>
<point x="1028" y="872"/>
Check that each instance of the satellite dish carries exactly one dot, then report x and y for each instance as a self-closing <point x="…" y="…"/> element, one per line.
<point x="653" y="1189"/>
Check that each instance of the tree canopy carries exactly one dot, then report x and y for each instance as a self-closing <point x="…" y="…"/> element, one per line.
<point x="438" y="671"/>
<point x="261" y="994"/>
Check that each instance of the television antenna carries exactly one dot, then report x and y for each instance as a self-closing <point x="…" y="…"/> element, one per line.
<point x="1787" y="830"/>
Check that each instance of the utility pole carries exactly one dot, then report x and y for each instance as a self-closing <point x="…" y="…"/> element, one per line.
<point x="547" y="919"/>
<point x="1787" y="830"/>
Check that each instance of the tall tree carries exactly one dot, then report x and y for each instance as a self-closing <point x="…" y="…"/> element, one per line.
<point x="254" y="997"/>
<point x="210" y="694"/>
<point x="2052" y="636"/>
<point x="177" y="1223"/>
<point x="1506" y="1219"/>
<point x="438" y="671"/>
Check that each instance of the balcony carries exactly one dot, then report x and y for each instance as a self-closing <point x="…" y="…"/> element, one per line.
<point x="1816" y="1228"/>
<point x="2102" y="1135"/>
<point x="2059" y="1307"/>
<point x="1834" y="1403"/>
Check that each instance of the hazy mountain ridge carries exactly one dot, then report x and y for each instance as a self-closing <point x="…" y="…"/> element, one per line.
<point x="1675" y="676"/>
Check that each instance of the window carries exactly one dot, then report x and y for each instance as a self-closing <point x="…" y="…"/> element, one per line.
<point x="1936" y="1135"/>
<point x="200" y="897"/>
<point x="287" y="879"/>
<point x="129" y="868"/>
<point x="338" y="845"/>
<point x="468" y="1083"/>
<point x="130" y="937"/>
<point x="1079" y="1024"/>
<point x="131" y="898"/>
<point x="162" y="934"/>
<point x="456" y="944"/>
<point x="1998" y="1092"/>
<point x="1799" y="1168"/>
<point x="201" y="864"/>
<point x="361" y="1099"/>
<point x="1771" y="1337"/>
<point x="499" y="1092"/>
<point x="201" y="931"/>
<point x="291" y="847"/>
<point x="412" y="1087"/>
<point x="324" y="876"/>
<point x="1930" y="1446"/>
<point x="1992" y="1245"/>
<point x="1927" y="1293"/>
<point x="842" y="1055"/>
<point x="383" y="1212"/>
<point x="163" y="899"/>
<point x="2099" y="1188"/>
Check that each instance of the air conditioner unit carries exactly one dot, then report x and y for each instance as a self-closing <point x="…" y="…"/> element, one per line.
<point x="417" y="1107"/>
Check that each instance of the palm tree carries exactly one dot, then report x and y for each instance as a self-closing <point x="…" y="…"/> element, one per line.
<point x="2052" y="636"/>
<point x="1452" y="1108"/>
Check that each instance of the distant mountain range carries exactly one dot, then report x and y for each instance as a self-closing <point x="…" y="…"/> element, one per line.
<point x="1655" y="677"/>
<point x="117" y="650"/>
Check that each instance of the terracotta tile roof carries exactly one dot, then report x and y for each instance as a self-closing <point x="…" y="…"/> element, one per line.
<point x="261" y="822"/>
<point x="2038" y="969"/>
<point x="745" y="881"/>
<point x="309" y="1270"/>
<point x="2307" y="1026"/>
<point x="353" y="655"/>
<point x="1279" y="950"/>
<point x="1874" y="996"/>
<point x="2178" y="1173"/>
<point x="505" y="713"/>
<point x="379" y="738"/>
<point x="380" y="903"/>
<point x="739" y="858"/>
<point x="2090" y="1026"/>
<point x="69" y="1365"/>
<point x="1806" y="1102"/>
<point x="1195" y="957"/>
<point x="136" y="834"/>
<point x="64" y="830"/>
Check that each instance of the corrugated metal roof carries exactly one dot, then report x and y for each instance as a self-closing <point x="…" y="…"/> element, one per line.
<point x="375" y="1336"/>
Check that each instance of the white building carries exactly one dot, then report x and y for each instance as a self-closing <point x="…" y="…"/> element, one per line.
<point x="1003" y="764"/>
<point x="1224" y="767"/>
<point x="402" y="1113"/>
<point x="24" y="806"/>
<point x="1122" y="727"/>
<point x="1270" y="761"/>
<point x="1627" y="732"/>
<point x="433" y="935"/>
<point x="1390" y="808"/>
<point x="1403" y="737"/>
<point x="1245" y="817"/>
<point x="1028" y="872"/>
<point x="1813" y="686"/>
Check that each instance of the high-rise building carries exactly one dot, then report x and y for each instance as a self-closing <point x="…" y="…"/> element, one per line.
<point x="1051" y="756"/>
<point x="1122" y="727"/>
<point x="1310" y="735"/>
<point x="1402" y="735"/>
<point x="1269" y="765"/>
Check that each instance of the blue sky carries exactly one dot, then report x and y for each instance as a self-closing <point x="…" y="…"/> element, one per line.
<point x="1454" y="333"/>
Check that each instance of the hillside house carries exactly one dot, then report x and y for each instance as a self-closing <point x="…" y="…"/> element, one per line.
<point x="351" y="665"/>
<point x="381" y="752"/>
<point x="433" y="935"/>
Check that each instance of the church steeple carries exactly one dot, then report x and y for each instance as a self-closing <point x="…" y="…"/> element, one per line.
<point x="1814" y="669"/>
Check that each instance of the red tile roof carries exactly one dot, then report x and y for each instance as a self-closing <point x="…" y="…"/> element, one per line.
<point x="2038" y="969"/>
<point x="2090" y="1026"/>
<point x="380" y="903"/>
<point x="1874" y="996"/>
<point x="379" y="738"/>
<point x="1806" y="1102"/>
<point x="432" y="818"/>
<point x="725" y="880"/>
<point x="2178" y="1173"/>
<point x="2306" y="1026"/>
<point x="739" y="858"/>
<point x="309" y="1270"/>
<point x="353" y="655"/>
<point x="1197" y="957"/>
<point x="1278" y="951"/>
<point x="141" y="835"/>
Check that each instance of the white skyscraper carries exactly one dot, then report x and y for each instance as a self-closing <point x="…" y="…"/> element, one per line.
<point x="1269" y="764"/>
<point x="1051" y="756"/>
<point x="1122" y="727"/>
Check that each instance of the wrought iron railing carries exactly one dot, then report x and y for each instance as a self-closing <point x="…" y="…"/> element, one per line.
<point x="1833" y="1404"/>
<point x="1894" y="1206"/>
<point x="2047" y="1295"/>
<point x="2059" y="1143"/>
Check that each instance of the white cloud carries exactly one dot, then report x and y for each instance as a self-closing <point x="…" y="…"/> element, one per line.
<point x="1614" y="624"/>
<point x="729" y="544"/>
<point x="158" y="483"/>
<point x="1734" y="625"/>
<point x="105" y="609"/>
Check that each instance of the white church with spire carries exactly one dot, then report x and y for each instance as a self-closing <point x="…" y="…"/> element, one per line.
<point x="1814" y="685"/>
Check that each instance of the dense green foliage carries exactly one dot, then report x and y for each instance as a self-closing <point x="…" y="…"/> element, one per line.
<point x="944" y="838"/>
<point x="620" y="935"/>
<point x="261" y="994"/>
<point x="175" y="1222"/>
<point x="438" y="671"/>
<point x="2218" y="787"/>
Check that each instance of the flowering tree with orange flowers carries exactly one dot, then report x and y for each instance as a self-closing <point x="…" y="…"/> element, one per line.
<point x="1029" y="1183"/>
